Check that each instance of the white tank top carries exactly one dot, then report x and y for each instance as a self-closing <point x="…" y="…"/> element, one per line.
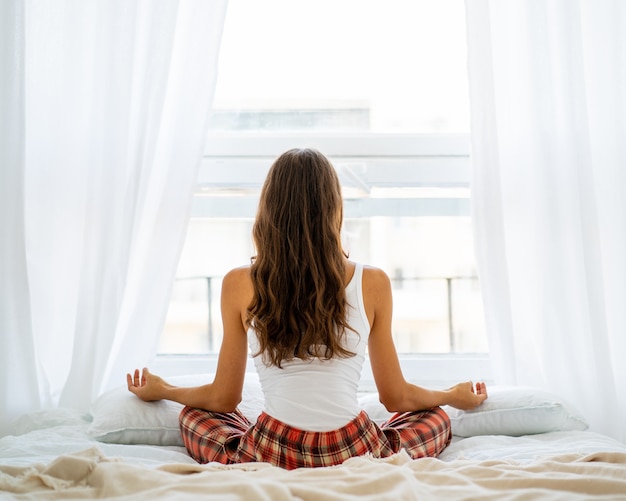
<point x="316" y="394"/>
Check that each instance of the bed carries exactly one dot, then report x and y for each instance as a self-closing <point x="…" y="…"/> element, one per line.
<point x="520" y="444"/>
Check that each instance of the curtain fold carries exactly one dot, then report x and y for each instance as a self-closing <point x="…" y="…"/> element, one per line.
<point x="548" y="101"/>
<point x="115" y="103"/>
<point x="17" y="353"/>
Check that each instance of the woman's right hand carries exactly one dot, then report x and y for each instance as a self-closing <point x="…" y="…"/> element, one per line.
<point x="146" y="386"/>
<point x="465" y="397"/>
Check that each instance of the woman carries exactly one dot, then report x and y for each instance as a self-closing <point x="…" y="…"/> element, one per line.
<point x="307" y="314"/>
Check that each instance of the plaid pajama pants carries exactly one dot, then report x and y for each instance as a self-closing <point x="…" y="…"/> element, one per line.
<point x="231" y="438"/>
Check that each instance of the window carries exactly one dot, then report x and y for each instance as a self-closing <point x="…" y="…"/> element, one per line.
<point x="343" y="65"/>
<point x="380" y="88"/>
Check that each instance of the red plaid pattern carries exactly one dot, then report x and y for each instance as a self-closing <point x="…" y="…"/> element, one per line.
<point x="230" y="438"/>
<point x="422" y="433"/>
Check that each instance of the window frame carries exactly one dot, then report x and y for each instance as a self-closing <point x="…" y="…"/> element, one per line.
<point x="434" y="160"/>
<point x="438" y="160"/>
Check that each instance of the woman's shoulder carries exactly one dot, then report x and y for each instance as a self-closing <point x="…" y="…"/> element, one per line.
<point x="239" y="271"/>
<point x="237" y="286"/>
<point x="238" y="279"/>
<point x="372" y="273"/>
<point x="375" y="279"/>
<point x="239" y="274"/>
<point x="376" y="292"/>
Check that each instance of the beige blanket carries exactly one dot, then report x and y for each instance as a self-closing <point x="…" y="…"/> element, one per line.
<point x="88" y="474"/>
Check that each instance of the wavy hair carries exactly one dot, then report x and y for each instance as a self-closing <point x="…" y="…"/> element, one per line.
<point x="299" y="305"/>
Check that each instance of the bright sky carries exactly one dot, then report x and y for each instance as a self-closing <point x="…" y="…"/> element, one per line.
<point x="405" y="59"/>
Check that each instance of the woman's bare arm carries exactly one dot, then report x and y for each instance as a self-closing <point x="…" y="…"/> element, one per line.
<point x="224" y="393"/>
<point x="395" y="393"/>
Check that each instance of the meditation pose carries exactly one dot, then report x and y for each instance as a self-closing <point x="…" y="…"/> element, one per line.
<point x="306" y="313"/>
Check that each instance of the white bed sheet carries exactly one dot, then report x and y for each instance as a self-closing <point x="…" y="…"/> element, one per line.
<point x="47" y="434"/>
<point x="530" y="448"/>
<point x="546" y="466"/>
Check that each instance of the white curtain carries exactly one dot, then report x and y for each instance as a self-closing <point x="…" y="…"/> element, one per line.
<point x="548" y="105"/>
<point x="104" y="107"/>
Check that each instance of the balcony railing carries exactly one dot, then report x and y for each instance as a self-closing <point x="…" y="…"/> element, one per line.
<point x="207" y="290"/>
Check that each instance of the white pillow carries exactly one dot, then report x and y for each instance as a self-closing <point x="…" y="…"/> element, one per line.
<point x="120" y="417"/>
<point x="516" y="411"/>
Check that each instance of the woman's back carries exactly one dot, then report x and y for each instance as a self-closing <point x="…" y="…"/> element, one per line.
<point x="319" y="394"/>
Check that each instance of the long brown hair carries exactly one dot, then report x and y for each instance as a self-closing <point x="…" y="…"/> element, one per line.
<point x="299" y="305"/>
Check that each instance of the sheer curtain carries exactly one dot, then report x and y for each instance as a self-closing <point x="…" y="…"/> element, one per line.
<point x="104" y="113"/>
<point x="548" y="104"/>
